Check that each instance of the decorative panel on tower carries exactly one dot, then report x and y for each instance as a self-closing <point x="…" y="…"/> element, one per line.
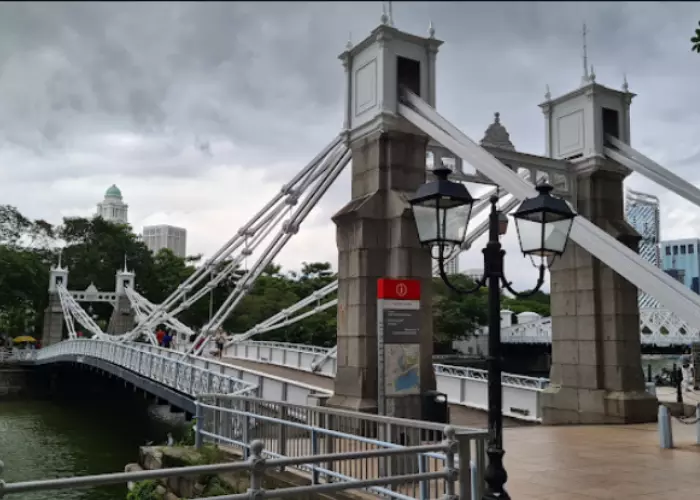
<point x="577" y="123"/>
<point x="378" y="68"/>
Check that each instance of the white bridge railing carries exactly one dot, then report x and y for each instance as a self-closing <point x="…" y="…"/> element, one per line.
<point x="465" y="386"/>
<point x="194" y="375"/>
<point x="658" y="327"/>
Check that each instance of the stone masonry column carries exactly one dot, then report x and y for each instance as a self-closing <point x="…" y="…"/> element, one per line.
<point x="596" y="374"/>
<point x="377" y="238"/>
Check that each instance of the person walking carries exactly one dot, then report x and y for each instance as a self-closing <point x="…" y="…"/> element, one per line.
<point x="220" y="339"/>
<point x="167" y="339"/>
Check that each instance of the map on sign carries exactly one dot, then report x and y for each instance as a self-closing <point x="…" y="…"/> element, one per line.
<point x="401" y="365"/>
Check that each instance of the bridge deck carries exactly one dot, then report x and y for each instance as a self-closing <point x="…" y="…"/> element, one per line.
<point x="460" y="415"/>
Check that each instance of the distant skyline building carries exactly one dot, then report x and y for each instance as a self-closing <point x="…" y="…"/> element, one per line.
<point x="162" y="236"/>
<point x="681" y="260"/>
<point x="643" y="213"/>
<point x="450" y="268"/>
<point x="113" y="208"/>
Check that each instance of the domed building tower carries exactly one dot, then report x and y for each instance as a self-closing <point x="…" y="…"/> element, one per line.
<point x="113" y="208"/>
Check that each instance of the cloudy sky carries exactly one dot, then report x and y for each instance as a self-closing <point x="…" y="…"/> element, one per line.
<point x="200" y="111"/>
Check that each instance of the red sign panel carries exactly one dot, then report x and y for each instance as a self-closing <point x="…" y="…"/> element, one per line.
<point x="398" y="289"/>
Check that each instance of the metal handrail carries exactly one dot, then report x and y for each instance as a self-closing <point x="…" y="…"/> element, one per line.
<point x="257" y="465"/>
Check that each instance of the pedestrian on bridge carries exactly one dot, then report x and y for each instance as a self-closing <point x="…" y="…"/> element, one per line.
<point x="220" y="339"/>
<point x="167" y="339"/>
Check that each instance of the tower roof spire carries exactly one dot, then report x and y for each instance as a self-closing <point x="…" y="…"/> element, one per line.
<point x="585" y="78"/>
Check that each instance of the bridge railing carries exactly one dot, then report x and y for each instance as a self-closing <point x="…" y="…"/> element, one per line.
<point x="296" y="356"/>
<point x="259" y="464"/>
<point x="156" y="364"/>
<point x="469" y="387"/>
<point x="269" y="387"/>
<point x="297" y="431"/>
<point x="462" y="385"/>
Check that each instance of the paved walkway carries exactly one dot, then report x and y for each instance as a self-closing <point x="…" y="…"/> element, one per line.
<point x="459" y="414"/>
<point x="601" y="462"/>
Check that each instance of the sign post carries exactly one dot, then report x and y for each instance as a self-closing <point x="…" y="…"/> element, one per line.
<point x="398" y="335"/>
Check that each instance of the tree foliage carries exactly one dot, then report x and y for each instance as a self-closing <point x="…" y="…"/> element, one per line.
<point x="94" y="249"/>
<point x="696" y="40"/>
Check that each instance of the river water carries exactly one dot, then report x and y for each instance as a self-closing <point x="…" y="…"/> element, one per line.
<point x="49" y="439"/>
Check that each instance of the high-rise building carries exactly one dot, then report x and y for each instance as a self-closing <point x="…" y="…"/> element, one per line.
<point x="451" y="268"/>
<point x="644" y="215"/>
<point x="163" y="236"/>
<point x="113" y="208"/>
<point x="681" y="259"/>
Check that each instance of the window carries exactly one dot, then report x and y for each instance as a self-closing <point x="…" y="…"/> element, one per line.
<point x="682" y="249"/>
<point x="668" y="250"/>
<point x="675" y="249"/>
<point x="408" y="74"/>
<point x="691" y="248"/>
<point x="611" y="122"/>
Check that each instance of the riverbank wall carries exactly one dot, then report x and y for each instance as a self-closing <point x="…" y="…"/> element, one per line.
<point x="15" y="381"/>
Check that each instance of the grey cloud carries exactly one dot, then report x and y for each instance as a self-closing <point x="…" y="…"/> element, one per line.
<point x="210" y="84"/>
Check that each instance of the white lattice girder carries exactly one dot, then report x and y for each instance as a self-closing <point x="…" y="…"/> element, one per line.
<point x="657" y="327"/>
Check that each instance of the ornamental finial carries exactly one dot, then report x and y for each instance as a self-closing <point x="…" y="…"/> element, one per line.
<point x="547" y="93"/>
<point x="348" y="45"/>
<point x="625" y="85"/>
<point x="385" y="18"/>
<point x="431" y="30"/>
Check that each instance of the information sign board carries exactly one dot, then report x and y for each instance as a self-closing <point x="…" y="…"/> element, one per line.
<point x="398" y="332"/>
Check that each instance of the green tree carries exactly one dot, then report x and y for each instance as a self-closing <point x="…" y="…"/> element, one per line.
<point x="696" y="40"/>
<point x="456" y="315"/>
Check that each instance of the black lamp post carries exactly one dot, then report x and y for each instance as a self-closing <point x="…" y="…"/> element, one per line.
<point x="442" y="209"/>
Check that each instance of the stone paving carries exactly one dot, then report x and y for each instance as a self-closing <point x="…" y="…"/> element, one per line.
<point x="601" y="462"/>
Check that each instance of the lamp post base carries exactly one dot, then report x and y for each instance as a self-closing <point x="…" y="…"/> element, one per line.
<point x="496" y="475"/>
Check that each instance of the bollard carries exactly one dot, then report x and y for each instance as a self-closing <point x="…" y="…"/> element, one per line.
<point x="665" y="432"/>
<point x="649" y="373"/>
<point x="697" y="424"/>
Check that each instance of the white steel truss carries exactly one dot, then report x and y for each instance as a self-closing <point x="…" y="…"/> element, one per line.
<point x="327" y="172"/>
<point x="673" y="295"/>
<point x="224" y="263"/>
<point x="73" y="312"/>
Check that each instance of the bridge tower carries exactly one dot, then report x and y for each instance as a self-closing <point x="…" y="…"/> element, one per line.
<point x="52" y="331"/>
<point x="376" y="234"/>
<point x="123" y="316"/>
<point x="596" y="374"/>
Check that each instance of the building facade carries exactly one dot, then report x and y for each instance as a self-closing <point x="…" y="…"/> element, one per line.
<point x="163" y="236"/>
<point x="681" y="259"/>
<point x="643" y="213"/>
<point x="113" y="208"/>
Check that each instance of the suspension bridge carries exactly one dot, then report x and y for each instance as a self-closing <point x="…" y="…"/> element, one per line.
<point x="596" y="326"/>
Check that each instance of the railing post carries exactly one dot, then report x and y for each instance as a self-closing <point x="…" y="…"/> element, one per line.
<point x="464" y="452"/>
<point x="452" y="447"/>
<point x="480" y="465"/>
<point x="198" y="423"/>
<point x="282" y="444"/>
<point x="329" y="424"/>
<point x="314" y="452"/>
<point x="245" y="424"/>
<point x="257" y="469"/>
